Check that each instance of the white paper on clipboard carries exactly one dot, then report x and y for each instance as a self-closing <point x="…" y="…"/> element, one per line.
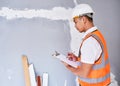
<point x="64" y="59"/>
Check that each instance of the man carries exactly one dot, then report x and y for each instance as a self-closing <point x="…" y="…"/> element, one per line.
<point x="94" y="69"/>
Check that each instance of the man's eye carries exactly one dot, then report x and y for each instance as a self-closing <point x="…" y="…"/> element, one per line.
<point x="75" y="22"/>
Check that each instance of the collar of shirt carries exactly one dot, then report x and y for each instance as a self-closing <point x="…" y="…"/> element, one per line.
<point x="89" y="31"/>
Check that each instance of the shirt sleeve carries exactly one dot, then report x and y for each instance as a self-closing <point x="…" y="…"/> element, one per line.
<point x="90" y="50"/>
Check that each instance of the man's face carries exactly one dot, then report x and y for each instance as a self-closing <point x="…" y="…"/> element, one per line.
<point x="79" y="24"/>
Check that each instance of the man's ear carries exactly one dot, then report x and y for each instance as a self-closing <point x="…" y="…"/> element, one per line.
<point x="84" y="19"/>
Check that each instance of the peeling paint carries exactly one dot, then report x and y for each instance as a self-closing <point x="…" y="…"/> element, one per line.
<point x="75" y="2"/>
<point x="9" y="77"/>
<point x="9" y="74"/>
<point x="57" y="13"/>
<point x="113" y="81"/>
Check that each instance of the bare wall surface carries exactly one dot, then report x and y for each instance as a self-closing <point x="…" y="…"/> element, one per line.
<point x="39" y="37"/>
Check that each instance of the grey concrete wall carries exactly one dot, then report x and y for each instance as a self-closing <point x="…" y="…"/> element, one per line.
<point x="39" y="37"/>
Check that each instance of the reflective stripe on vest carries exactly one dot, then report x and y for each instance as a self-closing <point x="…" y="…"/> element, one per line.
<point x="91" y="81"/>
<point x="98" y="66"/>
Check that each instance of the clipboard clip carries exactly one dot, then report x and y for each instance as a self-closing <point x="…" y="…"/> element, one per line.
<point x="55" y="54"/>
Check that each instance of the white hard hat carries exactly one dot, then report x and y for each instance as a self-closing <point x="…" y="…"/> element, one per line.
<point x="81" y="9"/>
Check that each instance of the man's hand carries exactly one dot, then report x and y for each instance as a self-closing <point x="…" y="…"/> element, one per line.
<point x="72" y="57"/>
<point x="65" y="63"/>
<point x="68" y="66"/>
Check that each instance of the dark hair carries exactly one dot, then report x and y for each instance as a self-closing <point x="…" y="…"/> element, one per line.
<point x="89" y="18"/>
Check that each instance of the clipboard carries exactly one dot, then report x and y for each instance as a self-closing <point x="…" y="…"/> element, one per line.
<point x="63" y="58"/>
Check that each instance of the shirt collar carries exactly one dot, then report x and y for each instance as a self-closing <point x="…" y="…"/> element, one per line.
<point x="89" y="31"/>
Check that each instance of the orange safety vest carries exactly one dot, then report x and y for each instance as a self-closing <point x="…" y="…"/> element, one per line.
<point x="100" y="73"/>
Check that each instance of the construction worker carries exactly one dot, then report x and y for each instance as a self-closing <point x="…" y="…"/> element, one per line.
<point x="94" y="68"/>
